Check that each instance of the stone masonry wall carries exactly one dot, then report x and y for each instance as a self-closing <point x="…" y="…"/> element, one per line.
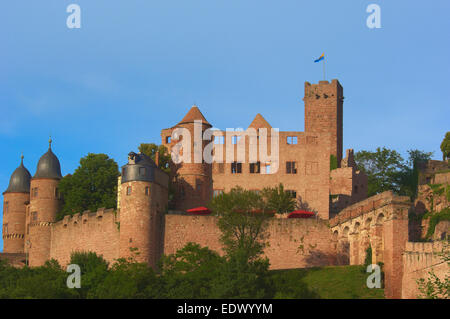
<point x="293" y="243"/>
<point x="418" y="260"/>
<point x="97" y="232"/>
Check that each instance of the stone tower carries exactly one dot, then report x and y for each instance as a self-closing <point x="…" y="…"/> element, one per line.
<point x="193" y="179"/>
<point x="324" y="112"/>
<point x="144" y="197"/>
<point x="16" y="198"/>
<point x="45" y="203"/>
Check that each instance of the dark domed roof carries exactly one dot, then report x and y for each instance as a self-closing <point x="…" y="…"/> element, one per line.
<point x="20" y="180"/>
<point x="48" y="165"/>
<point x="140" y="167"/>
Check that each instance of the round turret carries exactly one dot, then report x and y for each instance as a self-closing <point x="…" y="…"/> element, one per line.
<point x="143" y="199"/>
<point x="48" y="165"/>
<point x="20" y="180"/>
<point x="16" y="198"/>
<point x="45" y="202"/>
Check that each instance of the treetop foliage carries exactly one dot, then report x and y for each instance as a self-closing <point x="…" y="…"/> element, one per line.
<point x="445" y="146"/>
<point x="151" y="149"/>
<point x="387" y="170"/>
<point x="93" y="185"/>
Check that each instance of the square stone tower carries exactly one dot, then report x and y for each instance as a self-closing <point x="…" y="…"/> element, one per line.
<point x="324" y="112"/>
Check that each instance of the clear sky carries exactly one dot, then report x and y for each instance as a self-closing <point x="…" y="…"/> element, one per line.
<point x="137" y="66"/>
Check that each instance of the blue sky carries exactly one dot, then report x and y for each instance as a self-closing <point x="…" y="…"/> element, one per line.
<point x="137" y="66"/>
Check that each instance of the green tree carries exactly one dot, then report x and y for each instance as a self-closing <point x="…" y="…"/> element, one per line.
<point x="150" y="149"/>
<point x="128" y="280"/>
<point x="243" y="221"/>
<point x="409" y="175"/>
<point x="278" y="200"/>
<point x="445" y="146"/>
<point x="92" y="185"/>
<point x="94" y="270"/>
<point x="45" y="282"/>
<point x="198" y="272"/>
<point x="383" y="167"/>
<point x="190" y="272"/>
<point x="240" y="278"/>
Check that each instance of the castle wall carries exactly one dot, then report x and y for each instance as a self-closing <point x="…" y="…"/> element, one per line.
<point x="380" y="221"/>
<point x="293" y="243"/>
<point x="442" y="178"/>
<point x="311" y="182"/>
<point x="348" y="186"/>
<point x="14" y="259"/>
<point x="97" y="232"/>
<point x="418" y="260"/>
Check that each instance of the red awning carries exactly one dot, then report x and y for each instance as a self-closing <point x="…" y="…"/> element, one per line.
<point x="301" y="214"/>
<point x="199" y="211"/>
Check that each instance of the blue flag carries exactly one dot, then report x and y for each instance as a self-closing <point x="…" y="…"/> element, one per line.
<point x="322" y="57"/>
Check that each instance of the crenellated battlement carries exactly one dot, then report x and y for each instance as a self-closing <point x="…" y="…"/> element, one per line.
<point x="87" y="231"/>
<point x="419" y="259"/>
<point x="417" y="247"/>
<point x="86" y="217"/>
<point x="324" y="89"/>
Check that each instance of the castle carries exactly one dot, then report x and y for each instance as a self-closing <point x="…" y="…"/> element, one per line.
<point x="347" y="221"/>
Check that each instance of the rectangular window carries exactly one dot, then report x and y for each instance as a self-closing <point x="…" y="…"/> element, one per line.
<point x="147" y="190"/>
<point x="34" y="192"/>
<point x="198" y="186"/>
<point x="292" y="193"/>
<point x="6" y="208"/>
<point x="182" y="192"/>
<point x="34" y="216"/>
<point x="56" y="193"/>
<point x="236" y="168"/>
<point x="291" y="167"/>
<point x="128" y="190"/>
<point x="221" y="168"/>
<point x="168" y="139"/>
<point x="235" y="139"/>
<point x="291" y="140"/>
<point x="255" y="168"/>
<point x="217" y="192"/>
<point x="219" y="140"/>
<point x="267" y="169"/>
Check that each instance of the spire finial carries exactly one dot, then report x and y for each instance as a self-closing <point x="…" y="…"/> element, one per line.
<point x="50" y="142"/>
<point x="21" y="158"/>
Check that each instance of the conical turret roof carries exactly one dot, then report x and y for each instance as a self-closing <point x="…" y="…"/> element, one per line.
<point x="20" y="180"/>
<point x="194" y="114"/>
<point x="48" y="165"/>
